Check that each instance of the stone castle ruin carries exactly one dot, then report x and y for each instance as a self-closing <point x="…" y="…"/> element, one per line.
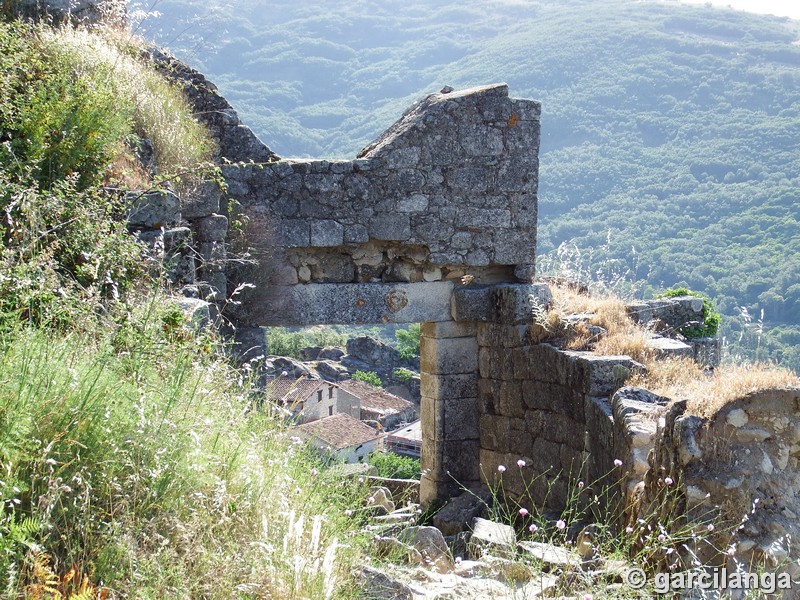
<point x="435" y="223"/>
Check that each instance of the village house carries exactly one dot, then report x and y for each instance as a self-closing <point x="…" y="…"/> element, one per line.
<point x="341" y="438"/>
<point x="334" y="416"/>
<point x="309" y="400"/>
<point x="379" y="405"/>
<point x="406" y="440"/>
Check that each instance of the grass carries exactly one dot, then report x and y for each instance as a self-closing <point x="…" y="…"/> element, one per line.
<point x="158" y="110"/>
<point x="679" y="378"/>
<point x="621" y="335"/>
<point x="144" y="467"/>
<point x="133" y="460"/>
<point x="708" y="393"/>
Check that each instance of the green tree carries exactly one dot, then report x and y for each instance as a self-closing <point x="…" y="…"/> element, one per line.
<point x="408" y="341"/>
<point x="370" y="377"/>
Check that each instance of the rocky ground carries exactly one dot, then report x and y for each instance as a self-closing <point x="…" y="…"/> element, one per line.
<point x="481" y="560"/>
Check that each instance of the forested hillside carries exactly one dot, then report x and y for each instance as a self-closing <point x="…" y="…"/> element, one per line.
<point x="671" y="133"/>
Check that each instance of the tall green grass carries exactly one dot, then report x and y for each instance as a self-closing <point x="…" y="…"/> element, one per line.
<point x="146" y="469"/>
<point x="133" y="460"/>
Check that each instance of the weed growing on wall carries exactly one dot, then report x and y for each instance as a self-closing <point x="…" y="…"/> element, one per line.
<point x="711" y="318"/>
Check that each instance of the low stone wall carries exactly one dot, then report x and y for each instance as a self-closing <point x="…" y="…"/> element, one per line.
<point x="548" y="408"/>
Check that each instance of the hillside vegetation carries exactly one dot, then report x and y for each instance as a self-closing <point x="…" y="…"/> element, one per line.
<point x="670" y="132"/>
<point x="133" y="461"/>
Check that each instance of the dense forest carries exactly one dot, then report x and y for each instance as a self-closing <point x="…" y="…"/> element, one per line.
<point x="671" y="133"/>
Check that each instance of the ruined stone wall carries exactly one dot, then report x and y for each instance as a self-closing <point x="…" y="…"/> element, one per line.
<point x="739" y="466"/>
<point x="449" y="191"/>
<point x="547" y="407"/>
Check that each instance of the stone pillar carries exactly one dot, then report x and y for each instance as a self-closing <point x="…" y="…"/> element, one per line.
<point x="449" y="409"/>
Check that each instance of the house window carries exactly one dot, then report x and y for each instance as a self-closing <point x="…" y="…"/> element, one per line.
<point x="330" y="392"/>
<point x="319" y="395"/>
<point x="330" y="411"/>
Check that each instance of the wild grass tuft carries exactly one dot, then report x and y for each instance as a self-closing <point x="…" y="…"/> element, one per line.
<point x="158" y="110"/>
<point x="144" y="466"/>
<point x="707" y="393"/>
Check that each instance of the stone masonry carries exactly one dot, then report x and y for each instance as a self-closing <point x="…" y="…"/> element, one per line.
<point x="448" y="191"/>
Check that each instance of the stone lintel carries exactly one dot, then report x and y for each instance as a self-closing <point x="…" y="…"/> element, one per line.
<point x="356" y="303"/>
<point x="505" y="303"/>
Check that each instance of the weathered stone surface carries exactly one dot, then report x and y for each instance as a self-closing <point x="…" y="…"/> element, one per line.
<point x="707" y="351"/>
<point x="197" y="311"/>
<point x="430" y="181"/>
<point x="315" y="304"/>
<point x="550" y="555"/>
<point x="429" y="542"/>
<point x="460" y="512"/>
<point x="152" y="210"/>
<point x="204" y="200"/>
<point x="213" y="228"/>
<point x="668" y="347"/>
<point x="380" y="500"/>
<point x="740" y="461"/>
<point x="491" y="537"/>
<point x="378" y="585"/>
<point x="332" y="371"/>
<point x="504" y="303"/>
<point x="449" y="355"/>
<point x="670" y="313"/>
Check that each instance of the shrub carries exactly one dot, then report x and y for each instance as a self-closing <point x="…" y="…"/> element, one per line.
<point x="408" y="341"/>
<point x="395" y="466"/>
<point x="370" y="377"/>
<point x="56" y="120"/>
<point x="711" y="318"/>
<point x="403" y="374"/>
<point x="281" y="342"/>
<point x="64" y="252"/>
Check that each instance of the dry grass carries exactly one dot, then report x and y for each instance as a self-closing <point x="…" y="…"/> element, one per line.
<point x="160" y="111"/>
<point x="622" y="337"/>
<point x="678" y="378"/>
<point x="706" y="394"/>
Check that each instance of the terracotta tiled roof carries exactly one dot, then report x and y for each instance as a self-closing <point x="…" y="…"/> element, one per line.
<point x="339" y="431"/>
<point x="286" y="390"/>
<point x="373" y="399"/>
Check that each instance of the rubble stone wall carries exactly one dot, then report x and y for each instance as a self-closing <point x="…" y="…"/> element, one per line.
<point x="448" y="191"/>
<point x="548" y="408"/>
<point x="741" y="465"/>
